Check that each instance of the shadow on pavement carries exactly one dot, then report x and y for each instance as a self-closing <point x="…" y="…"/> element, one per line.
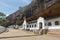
<point x="18" y="36"/>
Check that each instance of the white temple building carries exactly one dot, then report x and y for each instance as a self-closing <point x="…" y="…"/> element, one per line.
<point x="51" y="9"/>
<point x="41" y="23"/>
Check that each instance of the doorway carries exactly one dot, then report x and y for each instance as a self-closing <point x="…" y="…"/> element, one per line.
<point x="40" y="25"/>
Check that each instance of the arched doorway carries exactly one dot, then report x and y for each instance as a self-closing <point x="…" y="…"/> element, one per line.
<point x="40" y="25"/>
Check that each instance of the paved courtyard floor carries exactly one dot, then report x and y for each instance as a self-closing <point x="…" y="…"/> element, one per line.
<point x="14" y="34"/>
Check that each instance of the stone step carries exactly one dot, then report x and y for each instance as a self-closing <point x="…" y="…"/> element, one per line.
<point x="38" y="31"/>
<point x="55" y="31"/>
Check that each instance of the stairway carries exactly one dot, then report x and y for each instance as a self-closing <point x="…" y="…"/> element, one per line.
<point x="39" y="32"/>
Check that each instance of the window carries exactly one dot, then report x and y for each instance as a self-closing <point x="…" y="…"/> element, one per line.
<point x="27" y="26"/>
<point x="45" y="24"/>
<point x="32" y="25"/>
<point x="49" y="24"/>
<point x="56" y="22"/>
<point x="35" y="25"/>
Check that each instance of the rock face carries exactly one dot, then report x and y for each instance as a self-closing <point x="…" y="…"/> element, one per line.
<point x="2" y="29"/>
<point x="35" y="7"/>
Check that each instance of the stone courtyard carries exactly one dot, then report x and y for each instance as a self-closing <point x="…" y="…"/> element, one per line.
<point x="15" y="34"/>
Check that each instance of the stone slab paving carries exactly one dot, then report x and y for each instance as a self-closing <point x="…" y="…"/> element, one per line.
<point x="25" y="35"/>
<point x="15" y="32"/>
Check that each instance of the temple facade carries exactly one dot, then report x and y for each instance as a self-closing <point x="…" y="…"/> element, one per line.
<point x="41" y="23"/>
<point x="40" y="14"/>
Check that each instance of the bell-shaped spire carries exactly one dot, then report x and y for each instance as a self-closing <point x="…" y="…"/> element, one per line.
<point x="24" y="18"/>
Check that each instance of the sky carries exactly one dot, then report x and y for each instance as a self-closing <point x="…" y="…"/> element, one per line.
<point x="10" y="6"/>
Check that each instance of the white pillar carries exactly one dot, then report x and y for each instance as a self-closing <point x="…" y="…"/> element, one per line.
<point x="53" y="23"/>
<point x="24" y="23"/>
<point x="43" y="25"/>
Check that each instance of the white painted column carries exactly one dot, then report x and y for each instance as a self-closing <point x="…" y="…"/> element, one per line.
<point x="24" y="24"/>
<point x="53" y="24"/>
<point x="43" y="25"/>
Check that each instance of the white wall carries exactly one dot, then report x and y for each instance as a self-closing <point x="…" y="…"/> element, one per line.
<point x="40" y="19"/>
<point x="34" y="27"/>
<point x="53" y="26"/>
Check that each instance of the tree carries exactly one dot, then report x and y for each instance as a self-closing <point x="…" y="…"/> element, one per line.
<point x="3" y="19"/>
<point x="2" y="14"/>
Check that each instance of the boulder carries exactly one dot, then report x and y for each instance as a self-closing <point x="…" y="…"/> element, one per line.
<point x="2" y="29"/>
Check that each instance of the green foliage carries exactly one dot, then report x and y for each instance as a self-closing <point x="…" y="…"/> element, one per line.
<point x="4" y="21"/>
<point x="2" y="14"/>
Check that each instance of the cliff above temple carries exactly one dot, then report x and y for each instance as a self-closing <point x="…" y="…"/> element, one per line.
<point x="34" y="10"/>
